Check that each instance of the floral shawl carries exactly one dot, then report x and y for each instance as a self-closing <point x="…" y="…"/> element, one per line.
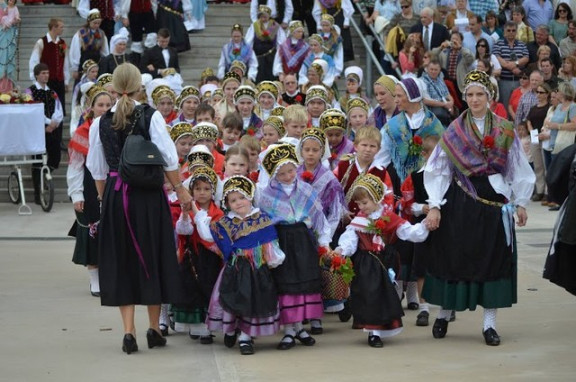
<point x="293" y="55"/>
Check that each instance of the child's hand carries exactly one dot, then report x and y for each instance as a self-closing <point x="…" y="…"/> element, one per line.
<point x="194" y="207"/>
<point x="425" y="209"/>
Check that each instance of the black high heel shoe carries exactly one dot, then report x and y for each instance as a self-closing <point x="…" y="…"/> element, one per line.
<point x="154" y="338"/>
<point x="129" y="344"/>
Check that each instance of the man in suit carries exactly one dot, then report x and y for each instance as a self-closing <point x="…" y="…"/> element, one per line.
<point x="433" y="34"/>
<point x="160" y="57"/>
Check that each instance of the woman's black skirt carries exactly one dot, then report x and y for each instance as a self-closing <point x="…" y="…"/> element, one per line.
<point x="124" y="280"/>
<point x="300" y="272"/>
<point x="165" y="18"/>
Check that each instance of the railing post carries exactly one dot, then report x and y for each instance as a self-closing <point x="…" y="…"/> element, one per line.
<point x="368" y="74"/>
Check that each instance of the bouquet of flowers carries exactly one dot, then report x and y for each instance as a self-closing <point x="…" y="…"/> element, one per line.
<point x="15" y="97"/>
<point x="336" y="263"/>
<point x="415" y="145"/>
<point x="377" y="227"/>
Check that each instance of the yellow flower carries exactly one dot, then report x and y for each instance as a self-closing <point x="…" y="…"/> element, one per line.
<point x="26" y="97"/>
<point x="5" y="98"/>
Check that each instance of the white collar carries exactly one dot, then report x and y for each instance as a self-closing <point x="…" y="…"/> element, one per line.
<point x="49" y="38"/>
<point x="376" y="163"/>
<point x="45" y="87"/>
<point x="233" y="214"/>
<point x="378" y="213"/>
<point x="415" y="122"/>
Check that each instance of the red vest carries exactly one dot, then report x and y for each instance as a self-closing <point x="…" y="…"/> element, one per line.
<point x="105" y="7"/>
<point x="140" y="6"/>
<point x="53" y="55"/>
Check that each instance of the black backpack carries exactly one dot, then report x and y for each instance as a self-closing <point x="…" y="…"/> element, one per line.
<point x="141" y="163"/>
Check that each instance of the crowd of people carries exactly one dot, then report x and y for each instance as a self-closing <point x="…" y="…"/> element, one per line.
<point x="285" y="197"/>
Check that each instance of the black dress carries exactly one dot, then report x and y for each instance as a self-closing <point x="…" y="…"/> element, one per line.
<point x="125" y="278"/>
<point x="171" y="17"/>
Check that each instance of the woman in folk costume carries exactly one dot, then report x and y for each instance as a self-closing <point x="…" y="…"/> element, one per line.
<point x="187" y="102"/>
<point x="475" y="179"/>
<point x="384" y="93"/>
<point x="333" y="123"/>
<point x="316" y="53"/>
<point x="237" y="49"/>
<point x="90" y="70"/>
<point x="136" y="256"/>
<point x="296" y="211"/>
<point x="265" y="35"/>
<point x="267" y="99"/>
<point x="341" y="11"/>
<point x="402" y="136"/>
<point x="200" y="261"/>
<point x="82" y="190"/>
<point x="332" y="42"/>
<point x="170" y="15"/>
<point x="244" y="300"/>
<point x="312" y="151"/>
<point x="245" y="100"/>
<point x="89" y="43"/>
<point x="374" y="303"/>
<point x="291" y="53"/>
<point x="162" y="97"/>
<point x="117" y="55"/>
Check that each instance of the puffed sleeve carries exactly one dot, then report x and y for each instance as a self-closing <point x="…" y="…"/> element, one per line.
<point x="74" y="53"/>
<point x="184" y="226"/>
<point x="348" y="242"/>
<point x="437" y="177"/>
<point x="202" y="221"/>
<point x="520" y="175"/>
<point x="160" y="137"/>
<point x="96" y="160"/>
<point x="75" y="176"/>
<point x="416" y="233"/>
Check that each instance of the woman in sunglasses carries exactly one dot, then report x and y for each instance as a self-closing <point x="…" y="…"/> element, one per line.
<point x="514" y="99"/>
<point x="483" y="52"/>
<point x="559" y="25"/>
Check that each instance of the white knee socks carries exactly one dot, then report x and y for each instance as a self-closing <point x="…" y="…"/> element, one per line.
<point x="94" y="281"/>
<point x="490" y="319"/>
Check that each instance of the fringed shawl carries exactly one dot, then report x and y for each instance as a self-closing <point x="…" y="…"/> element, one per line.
<point x="293" y="55"/>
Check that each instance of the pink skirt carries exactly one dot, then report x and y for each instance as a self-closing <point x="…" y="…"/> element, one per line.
<point x="300" y="307"/>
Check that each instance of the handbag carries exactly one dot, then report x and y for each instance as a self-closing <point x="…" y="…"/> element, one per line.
<point x="141" y="163"/>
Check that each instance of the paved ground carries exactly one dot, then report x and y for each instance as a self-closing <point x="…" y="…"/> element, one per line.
<point x="51" y="329"/>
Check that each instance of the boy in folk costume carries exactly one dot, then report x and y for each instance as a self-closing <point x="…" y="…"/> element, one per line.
<point x="244" y="299"/>
<point x="296" y="211"/>
<point x="313" y="151"/>
<point x="333" y="123"/>
<point x="375" y="305"/>
<point x="199" y="260"/>
<point x="265" y="35"/>
<point x="291" y="53"/>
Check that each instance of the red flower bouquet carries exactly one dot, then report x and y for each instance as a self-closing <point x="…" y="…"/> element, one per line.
<point x="415" y="145"/>
<point x="341" y="265"/>
<point x="378" y="226"/>
<point x="236" y="51"/>
<point x="251" y="131"/>
<point x="488" y="143"/>
<point x="298" y="98"/>
<point x="307" y="176"/>
<point x="265" y="33"/>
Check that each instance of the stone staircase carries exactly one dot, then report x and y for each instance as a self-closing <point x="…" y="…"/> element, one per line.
<point x="205" y="52"/>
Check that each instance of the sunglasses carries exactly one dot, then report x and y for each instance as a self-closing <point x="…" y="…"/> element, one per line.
<point x="562" y="10"/>
<point x="482" y="45"/>
<point x="404" y="6"/>
<point x="511" y="30"/>
<point x="541" y="92"/>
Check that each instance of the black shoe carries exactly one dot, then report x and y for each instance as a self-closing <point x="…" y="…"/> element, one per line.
<point x="164" y="329"/>
<point x="440" y="328"/>
<point x="554" y="207"/>
<point x="453" y="316"/>
<point x="194" y="336"/>
<point x="154" y="339"/>
<point x="491" y="337"/>
<point x="422" y="318"/>
<point x="129" y="344"/>
<point x="286" y="345"/>
<point x="95" y="294"/>
<point x="375" y="341"/>
<point x="206" y="340"/>
<point x="230" y="340"/>
<point x="316" y="330"/>
<point x="246" y="347"/>
<point x="413" y="306"/>
<point x="345" y="314"/>
<point x="306" y="341"/>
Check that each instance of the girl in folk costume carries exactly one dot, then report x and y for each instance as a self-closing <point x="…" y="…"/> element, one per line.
<point x="476" y="175"/>
<point x="292" y="52"/>
<point x="245" y="100"/>
<point x="357" y="116"/>
<point x="333" y="123"/>
<point x="89" y="42"/>
<point x="341" y="11"/>
<point x="267" y="98"/>
<point x="90" y="70"/>
<point x="230" y="84"/>
<point x="187" y="102"/>
<point x="82" y="190"/>
<point x="240" y="68"/>
<point x="170" y="16"/>
<point x="296" y="211"/>
<point x="374" y="303"/>
<point x="332" y="42"/>
<point x="105" y="80"/>
<point x="354" y="75"/>
<point x="162" y="97"/>
<point x="312" y="151"/>
<point x="200" y="262"/>
<point x="265" y="35"/>
<point x="316" y="53"/>
<point x="317" y="101"/>
<point x="9" y="24"/>
<point x="206" y="133"/>
<point x="273" y="130"/>
<point x="237" y="49"/>
<point x="244" y="299"/>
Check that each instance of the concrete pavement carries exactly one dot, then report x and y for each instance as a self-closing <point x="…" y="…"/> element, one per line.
<point x="51" y="329"/>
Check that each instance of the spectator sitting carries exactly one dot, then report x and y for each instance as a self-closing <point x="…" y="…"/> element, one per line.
<point x="437" y="97"/>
